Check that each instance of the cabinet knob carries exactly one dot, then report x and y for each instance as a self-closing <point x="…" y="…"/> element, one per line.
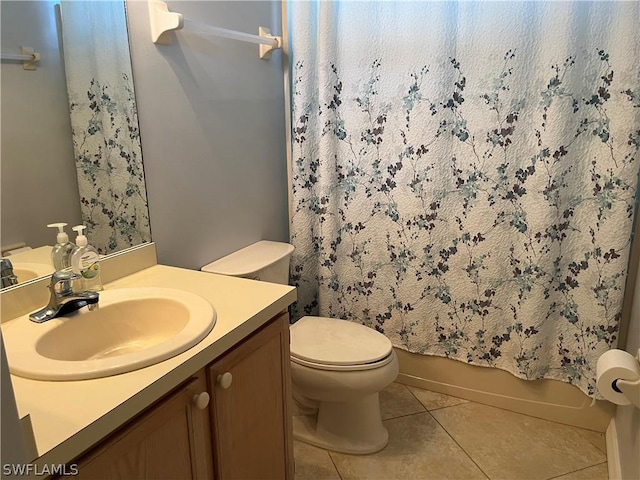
<point x="225" y="380"/>
<point x="201" y="400"/>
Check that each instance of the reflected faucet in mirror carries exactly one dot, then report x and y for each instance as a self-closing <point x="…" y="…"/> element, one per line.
<point x="8" y="277"/>
<point x="27" y="264"/>
<point x="64" y="299"/>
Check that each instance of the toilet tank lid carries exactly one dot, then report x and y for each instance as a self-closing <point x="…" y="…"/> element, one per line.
<point x="251" y="259"/>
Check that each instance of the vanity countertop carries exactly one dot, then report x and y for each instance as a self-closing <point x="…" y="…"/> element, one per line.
<point x="67" y="417"/>
<point x="34" y="255"/>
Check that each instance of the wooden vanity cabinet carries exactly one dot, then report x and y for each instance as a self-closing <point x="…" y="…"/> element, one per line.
<point x="171" y="440"/>
<point x="250" y="411"/>
<point x="244" y="432"/>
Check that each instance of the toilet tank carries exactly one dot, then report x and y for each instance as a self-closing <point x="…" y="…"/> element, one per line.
<point x="265" y="260"/>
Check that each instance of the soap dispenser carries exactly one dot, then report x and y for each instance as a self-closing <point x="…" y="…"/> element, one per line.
<point x="61" y="252"/>
<point x="85" y="261"/>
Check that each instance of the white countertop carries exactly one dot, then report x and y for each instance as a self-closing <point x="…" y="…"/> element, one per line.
<point x="67" y="417"/>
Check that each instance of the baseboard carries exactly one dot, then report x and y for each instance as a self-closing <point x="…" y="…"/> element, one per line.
<point x="547" y="399"/>
<point x="613" y="453"/>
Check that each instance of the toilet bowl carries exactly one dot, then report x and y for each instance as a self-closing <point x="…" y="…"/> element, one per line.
<point x="338" y="367"/>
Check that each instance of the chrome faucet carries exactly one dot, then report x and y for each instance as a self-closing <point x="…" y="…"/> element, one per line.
<point x="63" y="299"/>
<point x="6" y="271"/>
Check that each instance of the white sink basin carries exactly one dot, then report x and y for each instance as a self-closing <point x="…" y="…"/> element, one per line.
<point x="132" y="328"/>
<point x="28" y="271"/>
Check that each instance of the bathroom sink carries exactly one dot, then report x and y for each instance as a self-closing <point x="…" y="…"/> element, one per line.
<point x="132" y="328"/>
<point x="28" y="271"/>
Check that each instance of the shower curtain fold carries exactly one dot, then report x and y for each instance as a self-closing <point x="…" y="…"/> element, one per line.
<point x="464" y="175"/>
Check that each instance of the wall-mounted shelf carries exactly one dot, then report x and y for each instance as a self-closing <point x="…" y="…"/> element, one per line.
<point x="27" y="56"/>
<point x="164" y="22"/>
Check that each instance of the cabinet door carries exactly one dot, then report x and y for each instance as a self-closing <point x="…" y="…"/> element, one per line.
<point x="170" y="441"/>
<point x="251" y="415"/>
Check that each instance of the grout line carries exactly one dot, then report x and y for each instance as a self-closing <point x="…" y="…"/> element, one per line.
<point x="446" y="431"/>
<point x="424" y="409"/>
<point x="404" y="415"/>
<point x="334" y="464"/>
<point x="437" y="408"/>
<point x="597" y="446"/>
<point x="461" y="448"/>
<point x="576" y="471"/>
<point x="451" y="406"/>
<point x="414" y="396"/>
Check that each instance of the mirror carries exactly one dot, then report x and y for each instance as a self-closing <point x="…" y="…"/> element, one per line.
<point x="70" y="147"/>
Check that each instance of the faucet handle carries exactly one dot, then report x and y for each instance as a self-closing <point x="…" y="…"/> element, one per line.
<point x="64" y="279"/>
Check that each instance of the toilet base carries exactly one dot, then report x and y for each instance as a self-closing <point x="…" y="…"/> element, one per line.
<point x="350" y="427"/>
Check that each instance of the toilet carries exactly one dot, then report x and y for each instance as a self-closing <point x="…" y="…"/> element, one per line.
<point x="338" y="367"/>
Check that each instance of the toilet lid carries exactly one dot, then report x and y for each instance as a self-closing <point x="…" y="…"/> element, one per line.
<point x="330" y="341"/>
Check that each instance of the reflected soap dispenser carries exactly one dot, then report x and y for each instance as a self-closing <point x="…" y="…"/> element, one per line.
<point x="61" y="252"/>
<point x="85" y="261"/>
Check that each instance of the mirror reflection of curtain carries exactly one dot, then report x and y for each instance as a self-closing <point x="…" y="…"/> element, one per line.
<point x="104" y="124"/>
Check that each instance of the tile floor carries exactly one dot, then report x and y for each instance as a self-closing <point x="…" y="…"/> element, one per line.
<point x="435" y="436"/>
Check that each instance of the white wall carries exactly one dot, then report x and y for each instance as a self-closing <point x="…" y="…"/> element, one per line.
<point x="39" y="183"/>
<point x="213" y="132"/>
<point x="627" y="418"/>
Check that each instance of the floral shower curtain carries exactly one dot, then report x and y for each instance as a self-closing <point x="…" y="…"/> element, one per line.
<point x="464" y="175"/>
<point x="104" y="124"/>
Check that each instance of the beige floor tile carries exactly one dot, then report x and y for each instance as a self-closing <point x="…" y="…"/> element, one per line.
<point x="418" y="449"/>
<point x="435" y="400"/>
<point x="396" y="400"/>
<point x="313" y="463"/>
<point x="597" y="472"/>
<point x="508" y="445"/>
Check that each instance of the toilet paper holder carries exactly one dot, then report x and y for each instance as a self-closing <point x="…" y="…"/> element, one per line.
<point x="630" y="389"/>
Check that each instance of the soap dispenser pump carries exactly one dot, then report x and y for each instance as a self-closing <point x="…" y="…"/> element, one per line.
<point x="61" y="252"/>
<point x="85" y="261"/>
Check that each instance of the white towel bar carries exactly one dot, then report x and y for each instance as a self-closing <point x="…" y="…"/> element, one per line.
<point x="27" y="56"/>
<point x="163" y="22"/>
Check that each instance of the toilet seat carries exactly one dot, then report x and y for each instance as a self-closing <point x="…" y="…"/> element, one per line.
<point x="343" y="368"/>
<point x="338" y="345"/>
